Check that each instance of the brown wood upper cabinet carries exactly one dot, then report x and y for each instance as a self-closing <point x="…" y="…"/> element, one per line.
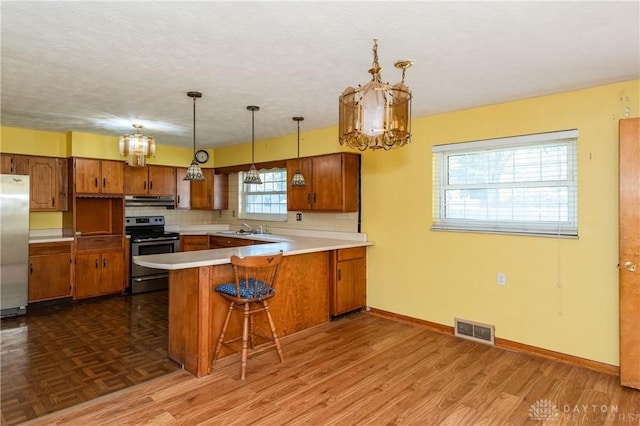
<point x="183" y="189"/>
<point x="14" y="164"/>
<point x="150" y="180"/>
<point x="93" y="176"/>
<point x="332" y="183"/>
<point x="210" y="194"/>
<point x="48" y="184"/>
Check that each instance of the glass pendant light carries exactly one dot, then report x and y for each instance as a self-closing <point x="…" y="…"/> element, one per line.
<point x="376" y="115"/>
<point x="252" y="175"/>
<point x="298" y="178"/>
<point x="194" y="172"/>
<point x="137" y="148"/>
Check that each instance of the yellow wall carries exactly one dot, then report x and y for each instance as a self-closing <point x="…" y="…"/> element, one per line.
<point x="32" y="142"/>
<point x="317" y="142"/>
<point x="561" y="294"/>
<point x="101" y="146"/>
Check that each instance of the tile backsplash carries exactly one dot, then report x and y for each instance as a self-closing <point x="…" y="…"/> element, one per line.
<point x="338" y="222"/>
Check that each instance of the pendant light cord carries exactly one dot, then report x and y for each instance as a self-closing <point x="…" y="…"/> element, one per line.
<point x="298" y="121"/>
<point x="253" y="138"/>
<point x="194" y="127"/>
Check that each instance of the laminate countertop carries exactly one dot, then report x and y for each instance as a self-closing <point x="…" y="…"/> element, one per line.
<point x="289" y="244"/>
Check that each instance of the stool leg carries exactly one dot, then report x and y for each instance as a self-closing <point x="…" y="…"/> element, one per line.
<point x="245" y="341"/>
<point x="251" y="331"/>
<point x="222" y="332"/>
<point x="273" y="330"/>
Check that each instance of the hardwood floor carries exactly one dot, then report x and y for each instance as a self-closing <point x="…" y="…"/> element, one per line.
<point x="58" y="356"/>
<point x="367" y="370"/>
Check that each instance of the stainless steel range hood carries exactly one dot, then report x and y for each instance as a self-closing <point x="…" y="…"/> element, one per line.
<point x="167" y="201"/>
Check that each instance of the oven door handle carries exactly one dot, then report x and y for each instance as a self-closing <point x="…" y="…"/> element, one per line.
<point x="149" y="278"/>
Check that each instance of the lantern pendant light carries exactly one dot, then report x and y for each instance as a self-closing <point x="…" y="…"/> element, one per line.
<point x="376" y="115"/>
<point x="252" y="175"/>
<point x="298" y="178"/>
<point x="194" y="172"/>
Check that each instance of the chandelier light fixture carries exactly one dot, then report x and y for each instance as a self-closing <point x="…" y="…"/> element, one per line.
<point x="298" y="178"/>
<point x="194" y="172"/>
<point x="376" y="115"/>
<point x="252" y="175"/>
<point x="137" y="148"/>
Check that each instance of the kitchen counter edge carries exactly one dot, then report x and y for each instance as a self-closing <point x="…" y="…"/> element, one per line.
<point x="289" y="245"/>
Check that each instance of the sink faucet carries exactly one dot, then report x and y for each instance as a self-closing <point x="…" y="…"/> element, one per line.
<point x="250" y="230"/>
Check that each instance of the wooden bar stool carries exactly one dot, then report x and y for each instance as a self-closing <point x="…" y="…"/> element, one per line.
<point x="255" y="277"/>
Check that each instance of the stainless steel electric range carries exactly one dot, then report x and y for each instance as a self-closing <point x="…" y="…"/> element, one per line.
<point x="148" y="236"/>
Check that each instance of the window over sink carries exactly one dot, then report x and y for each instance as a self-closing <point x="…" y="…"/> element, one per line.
<point x="267" y="201"/>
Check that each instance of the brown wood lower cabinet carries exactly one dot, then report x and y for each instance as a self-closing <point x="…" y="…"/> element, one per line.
<point x="49" y="271"/>
<point x="99" y="267"/>
<point x="349" y="286"/>
<point x="194" y="242"/>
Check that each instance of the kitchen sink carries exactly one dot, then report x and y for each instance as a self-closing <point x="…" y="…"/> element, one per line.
<point x="230" y="232"/>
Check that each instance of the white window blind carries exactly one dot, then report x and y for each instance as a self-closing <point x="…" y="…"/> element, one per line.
<point x="522" y="185"/>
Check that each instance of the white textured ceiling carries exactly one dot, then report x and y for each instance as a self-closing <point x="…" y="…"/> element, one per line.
<point x="98" y="67"/>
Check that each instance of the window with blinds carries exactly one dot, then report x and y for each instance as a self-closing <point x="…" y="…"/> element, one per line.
<point x="267" y="201"/>
<point x="518" y="185"/>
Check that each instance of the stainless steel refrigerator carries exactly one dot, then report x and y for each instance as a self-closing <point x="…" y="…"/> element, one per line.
<point x="14" y="244"/>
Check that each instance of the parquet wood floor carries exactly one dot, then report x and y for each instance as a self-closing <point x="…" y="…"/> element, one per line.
<point x="58" y="356"/>
<point x="367" y="370"/>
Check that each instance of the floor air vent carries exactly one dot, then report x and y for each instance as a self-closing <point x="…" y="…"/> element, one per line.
<point x="482" y="333"/>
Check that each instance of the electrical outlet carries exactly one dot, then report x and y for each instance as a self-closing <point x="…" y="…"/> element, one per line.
<point x="502" y="278"/>
<point x="299" y="217"/>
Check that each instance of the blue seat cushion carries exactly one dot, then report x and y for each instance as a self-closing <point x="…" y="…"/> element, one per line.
<point x="255" y="290"/>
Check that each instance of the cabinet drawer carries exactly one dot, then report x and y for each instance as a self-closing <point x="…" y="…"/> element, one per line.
<point x="99" y="243"/>
<point x="43" y="249"/>
<point x="228" y="242"/>
<point x="351" y="253"/>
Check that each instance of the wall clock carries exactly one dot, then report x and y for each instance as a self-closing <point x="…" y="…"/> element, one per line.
<point x="202" y="156"/>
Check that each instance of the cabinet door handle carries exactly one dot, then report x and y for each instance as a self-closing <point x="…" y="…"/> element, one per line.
<point x="104" y="263"/>
<point x="339" y="275"/>
<point x="104" y="182"/>
<point x="53" y="201"/>
<point x="144" y="185"/>
<point x="309" y="198"/>
<point x="31" y="268"/>
<point x="178" y="198"/>
<point x="150" y="185"/>
<point x="96" y="263"/>
<point x="314" y="198"/>
<point x="95" y="182"/>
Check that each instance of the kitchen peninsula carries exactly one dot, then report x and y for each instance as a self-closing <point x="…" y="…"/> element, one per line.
<point x="318" y="278"/>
